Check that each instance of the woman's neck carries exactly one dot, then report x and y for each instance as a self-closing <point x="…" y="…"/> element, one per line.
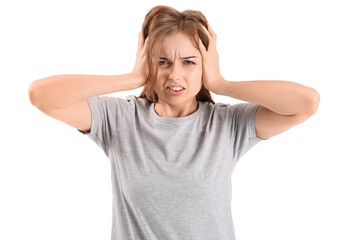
<point x="164" y="109"/>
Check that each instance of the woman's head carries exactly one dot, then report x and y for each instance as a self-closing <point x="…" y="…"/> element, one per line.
<point x="173" y="35"/>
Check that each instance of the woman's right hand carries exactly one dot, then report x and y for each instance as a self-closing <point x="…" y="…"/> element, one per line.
<point x="140" y="70"/>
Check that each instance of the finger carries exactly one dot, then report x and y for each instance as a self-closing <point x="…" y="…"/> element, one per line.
<point x="145" y="45"/>
<point x="211" y="30"/>
<point x="202" y="47"/>
<point x="206" y="31"/>
<point x="139" y="40"/>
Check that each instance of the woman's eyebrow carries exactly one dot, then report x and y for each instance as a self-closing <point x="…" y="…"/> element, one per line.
<point x="164" y="58"/>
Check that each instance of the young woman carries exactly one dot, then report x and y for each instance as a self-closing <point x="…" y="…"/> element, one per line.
<point x="172" y="149"/>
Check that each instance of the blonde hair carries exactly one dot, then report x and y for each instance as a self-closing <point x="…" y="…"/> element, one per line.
<point x="161" y="21"/>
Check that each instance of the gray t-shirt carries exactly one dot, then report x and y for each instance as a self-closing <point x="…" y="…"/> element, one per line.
<point x="171" y="177"/>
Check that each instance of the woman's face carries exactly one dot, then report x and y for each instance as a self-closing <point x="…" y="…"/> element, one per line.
<point x="179" y="64"/>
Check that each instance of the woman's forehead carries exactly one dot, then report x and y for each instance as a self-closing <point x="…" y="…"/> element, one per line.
<point x="182" y="49"/>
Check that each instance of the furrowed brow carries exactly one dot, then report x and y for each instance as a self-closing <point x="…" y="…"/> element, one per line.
<point x="164" y="58"/>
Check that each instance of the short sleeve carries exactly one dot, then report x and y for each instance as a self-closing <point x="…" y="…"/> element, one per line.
<point x="106" y="113"/>
<point x="243" y="133"/>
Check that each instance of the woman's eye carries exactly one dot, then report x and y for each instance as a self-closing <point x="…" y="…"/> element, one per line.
<point x="161" y="62"/>
<point x="164" y="62"/>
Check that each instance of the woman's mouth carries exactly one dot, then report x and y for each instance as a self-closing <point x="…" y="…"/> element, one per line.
<point x="175" y="92"/>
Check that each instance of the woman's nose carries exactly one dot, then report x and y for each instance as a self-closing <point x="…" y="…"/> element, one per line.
<point x="175" y="71"/>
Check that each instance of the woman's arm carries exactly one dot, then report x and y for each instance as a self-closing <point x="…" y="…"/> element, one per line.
<point x="282" y="97"/>
<point x="283" y="104"/>
<point x="60" y="91"/>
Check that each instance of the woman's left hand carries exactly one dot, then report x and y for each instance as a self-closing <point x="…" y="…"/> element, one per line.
<point x="211" y="77"/>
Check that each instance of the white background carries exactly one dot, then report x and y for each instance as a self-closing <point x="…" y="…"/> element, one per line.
<point x="55" y="183"/>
